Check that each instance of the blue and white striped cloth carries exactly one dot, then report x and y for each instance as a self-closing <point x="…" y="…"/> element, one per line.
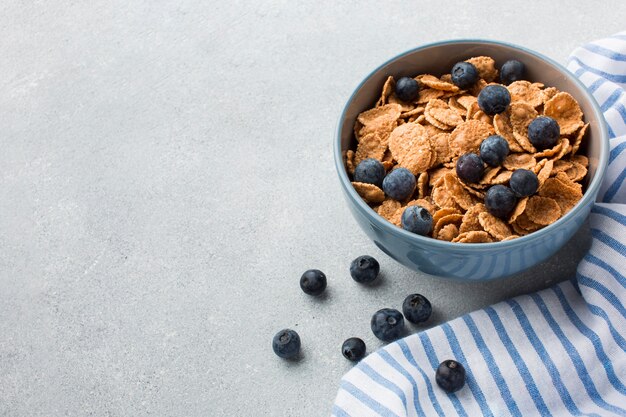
<point x="558" y="352"/>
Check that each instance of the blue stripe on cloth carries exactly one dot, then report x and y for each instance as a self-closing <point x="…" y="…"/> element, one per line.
<point x="597" y="311"/>
<point x="611" y="242"/>
<point x="534" y="340"/>
<point x="608" y="268"/>
<point x="605" y="52"/>
<point x="470" y="380"/>
<point x="579" y="366"/>
<point x="614" y="188"/>
<point x="611" y="100"/>
<point x="386" y="356"/>
<point x="339" y="412"/>
<point x="616" y="78"/>
<point x="621" y="110"/>
<point x="579" y="72"/>
<point x="596" y="84"/>
<point x="518" y="361"/>
<point x="434" y="362"/>
<point x="611" y="132"/>
<point x="429" y="387"/>
<point x="493" y="367"/>
<point x="365" y="399"/>
<point x="605" y="211"/>
<point x="602" y="290"/>
<point x="616" y="151"/>
<point x="593" y="338"/>
<point x="382" y="381"/>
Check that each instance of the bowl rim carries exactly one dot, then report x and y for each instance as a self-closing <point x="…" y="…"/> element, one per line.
<point x="455" y="246"/>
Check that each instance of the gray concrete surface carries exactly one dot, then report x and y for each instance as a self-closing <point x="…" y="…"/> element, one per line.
<point x="166" y="176"/>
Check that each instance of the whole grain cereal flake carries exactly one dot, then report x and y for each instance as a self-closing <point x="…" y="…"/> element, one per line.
<point x="565" y="110"/>
<point x="468" y="136"/>
<point x="494" y="226"/>
<point x="542" y="210"/>
<point x="409" y="145"/>
<point x="369" y="192"/>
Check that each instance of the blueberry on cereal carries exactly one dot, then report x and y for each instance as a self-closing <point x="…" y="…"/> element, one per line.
<point x="387" y="324"/>
<point x="500" y="201"/>
<point x="407" y="89"/>
<point x="494" y="99"/>
<point x="364" y="269"/>
<point x="544" y="132"/>
<point x="464" y="74"/>
<point x="469" y="168"/>
<point x="399" y="184"/>
<point x="511" y="71"/>
<point x="524" y="183"/>
<point x="417" y="219"/>
<point x="370" y="171"/>
<point x="494" y="150"/>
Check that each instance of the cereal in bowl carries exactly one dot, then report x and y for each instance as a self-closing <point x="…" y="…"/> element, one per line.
<point x="482" y="156"/>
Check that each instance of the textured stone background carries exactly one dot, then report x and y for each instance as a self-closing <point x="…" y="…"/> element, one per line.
<point x="166" y="176"/>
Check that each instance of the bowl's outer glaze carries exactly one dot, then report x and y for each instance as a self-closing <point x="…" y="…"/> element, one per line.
<point x="472" y="261"/>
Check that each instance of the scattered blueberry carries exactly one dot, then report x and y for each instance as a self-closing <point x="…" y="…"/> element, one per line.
<point x="353" y="349"/>
<point x="286" y="344"/>
<point x="399" y="184"/>
<point x="387" y="324"/>
<point x="524" y="183"/>
<point x="371" y="171"/>
<point x="469" y="167"/>
<point x="500" y="201"/>
<point x="450" y="376"/>
<point x="494" y="99"/>
<point x="364" y="269"/>
<point x="494" y="150"/>
<point x="543" y="132"/>
<point x="313" y="282"/>
<point x="511" y="71"/>
<point x="464" y="74"/>
<point x="416" y="308"/>
<point x="416" y="219"/>
<point x="407" y="89"/>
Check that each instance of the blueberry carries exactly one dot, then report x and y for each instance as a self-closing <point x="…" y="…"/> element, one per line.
<point x="494" y="150"/>
<point x="407" y="89"/>
<point x="353" y="349"/>
<point x="450" y="376"/>
<point x="416" y="308"/>
<point x="286" y="344"/>
<point x="371" y="171"/>
<point x="543" y="132"/>
<point x="494" y="99"/>
<point x="313" y="282"/>
<point x="416" y="219"/>
<point x="469" y="167"/>
<point x="387" y="324"/>
<point x="399" y="184"/>
<point x="511" y="71"/>
<point x="524" y="183"/>
<point x="464" y="74"/>
<point x="500" y="201"/>
<point x="364" y="269"/>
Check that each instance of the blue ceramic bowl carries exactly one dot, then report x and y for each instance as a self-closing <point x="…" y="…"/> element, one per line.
<point x="463" y="261"/>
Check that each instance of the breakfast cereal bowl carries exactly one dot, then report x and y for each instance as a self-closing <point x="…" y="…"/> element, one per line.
<point x="472" y="261"/>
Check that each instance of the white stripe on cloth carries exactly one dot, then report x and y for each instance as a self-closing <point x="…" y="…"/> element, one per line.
<point x="558" y="352"/>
